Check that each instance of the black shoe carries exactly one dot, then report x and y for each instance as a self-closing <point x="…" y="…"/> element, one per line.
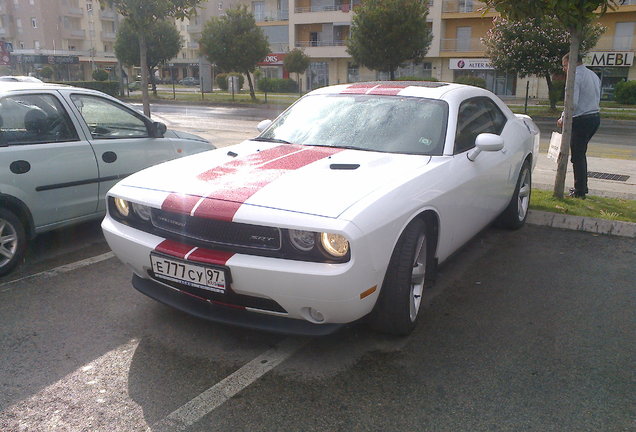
<point x="574" y="194"/>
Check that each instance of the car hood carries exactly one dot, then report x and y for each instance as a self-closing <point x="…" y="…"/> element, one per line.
<point x="322" y="181"/>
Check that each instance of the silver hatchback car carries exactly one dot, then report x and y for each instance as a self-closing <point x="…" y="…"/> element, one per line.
<point x="61" y="150"/>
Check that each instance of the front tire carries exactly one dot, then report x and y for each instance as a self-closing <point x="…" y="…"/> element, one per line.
<point x="515" y="215"/>
<point x="398" y="305"/>
<point x="12" y="241"/>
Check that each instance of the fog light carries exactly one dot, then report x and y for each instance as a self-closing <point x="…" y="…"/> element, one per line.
<point x="313" y="315"/>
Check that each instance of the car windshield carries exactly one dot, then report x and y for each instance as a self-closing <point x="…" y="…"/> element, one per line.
<point x="390" y="124"/>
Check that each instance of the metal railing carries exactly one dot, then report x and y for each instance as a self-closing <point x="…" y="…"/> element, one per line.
<point x="337" y="6"/>
<point x="462" y="6"/>
<point x="462" y="45"/>
<point x="320" y="43"/>
<point x="276" y="15"/>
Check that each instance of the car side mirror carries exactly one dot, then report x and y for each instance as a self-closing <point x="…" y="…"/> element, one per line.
<point x="158" y="130"/>
<point x="486" y="142"/>
<point x="263" y="125"/>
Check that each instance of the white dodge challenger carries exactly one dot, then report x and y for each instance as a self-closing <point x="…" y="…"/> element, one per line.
<point x="340" y="209"/>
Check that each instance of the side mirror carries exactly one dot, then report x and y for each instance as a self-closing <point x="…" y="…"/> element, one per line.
<point x="263" y="125"/>
<point x="486" y="142"/>
<point x="158" y="130"/>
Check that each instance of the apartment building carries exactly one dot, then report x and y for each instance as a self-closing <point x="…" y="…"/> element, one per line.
<point x="73" y="37"/>
<point x="321" y="27"/>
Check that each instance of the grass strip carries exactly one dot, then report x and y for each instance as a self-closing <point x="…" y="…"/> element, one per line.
<point x="593" y="206"/>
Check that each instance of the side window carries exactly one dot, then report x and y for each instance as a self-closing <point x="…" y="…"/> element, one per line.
<point x="476" y="116"/>
<point x="34" y="119"/>
<point x="108" y="120"/>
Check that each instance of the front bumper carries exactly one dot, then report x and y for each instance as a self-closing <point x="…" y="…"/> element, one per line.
<point x="341" y="293"/>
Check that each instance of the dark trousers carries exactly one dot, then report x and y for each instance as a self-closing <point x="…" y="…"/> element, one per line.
<point x="583" y="128"/>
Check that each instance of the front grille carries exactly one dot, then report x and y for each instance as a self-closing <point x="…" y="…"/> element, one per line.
<point x="218" y="233"/>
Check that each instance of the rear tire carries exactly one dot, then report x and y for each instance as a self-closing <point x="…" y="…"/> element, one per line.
<point x="398" y="305"/>
<point x="515" y="215"/>
<point x="13" y="241"/>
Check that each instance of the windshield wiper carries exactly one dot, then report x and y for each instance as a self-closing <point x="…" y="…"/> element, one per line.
<point x="275" y="140"/>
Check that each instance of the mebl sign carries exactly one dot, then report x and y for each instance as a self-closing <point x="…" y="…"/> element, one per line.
<point x="609" y="58"/>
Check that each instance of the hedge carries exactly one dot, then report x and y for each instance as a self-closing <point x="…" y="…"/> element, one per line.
<point x="108" y="87"/>
<point x="625" y="92"/>
<point x="221" y="80"/>
<point x="277" y="85"/>
<point x="471" y="80"/>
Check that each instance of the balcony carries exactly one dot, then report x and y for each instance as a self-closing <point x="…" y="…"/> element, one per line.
<point x="107" y="15"/>
<point x="73" y="11"/>
<point x="279" y="47"/>
<point x="472" y="45"/>
<point x="304" y="44"/>
<point x="462" y="6"/>
<point x="274" y="15"/>
<point x="342" y="6"/>
<point x="108" y="36"/>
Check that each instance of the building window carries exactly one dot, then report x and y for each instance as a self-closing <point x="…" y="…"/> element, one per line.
<point x="89" y="7"/>
<point x="624" y="36"/>
<point x="36" y="44"/>
<point x="463" y="38"/>
<point x="258" y="9"/>
<point x="353" y="73"/>
<point x="34" y="23"/>
<point x="21" y="43"/>
<point x="18" y="24"/>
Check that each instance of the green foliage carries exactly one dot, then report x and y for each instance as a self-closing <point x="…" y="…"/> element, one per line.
<point x="414" y="78"/>
<point x="387" y="33"/>
<point x="163" y="39"/>
<point x="471" y="80"/>
<point x="625" y="92"/>
<point x="221" y="80"/>
<point x="108" y="87"/>
<point x="558" y="90"/>
<point x="100" y="75"/>
<point x="143" y="13"/>
<point x="46" y="72"/>
<point x="234" y="43"/>
<point x="296" y="61"/>
<point x="277" y="85"/>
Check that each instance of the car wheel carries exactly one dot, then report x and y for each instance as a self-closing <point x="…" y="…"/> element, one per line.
<point x="400" y="299"/>
<point x="515" y="215"/>
<point x="12" y="241"/>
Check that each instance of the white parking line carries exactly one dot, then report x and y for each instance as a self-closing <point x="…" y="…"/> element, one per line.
<point x="62" y="269"/>
<point x="216" y="395"/>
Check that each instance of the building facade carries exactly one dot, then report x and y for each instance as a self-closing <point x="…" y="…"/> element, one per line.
<point x="72" y="37"/>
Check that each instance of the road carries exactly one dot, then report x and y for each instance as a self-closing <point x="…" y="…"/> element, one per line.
<point x="229" y="125"/>
<point x="501" y="346"/>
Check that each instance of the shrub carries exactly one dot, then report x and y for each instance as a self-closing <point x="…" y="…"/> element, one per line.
<point x="558" y="90"/>
<point x="277" y="85"/>
<point x="625" y="92"/>
<point x="221" y="80"/>
<point x="100" y="75"/>
<point x="108" y="87"/>
<point x="46" y="72"/>
<point x="471" y="80"/>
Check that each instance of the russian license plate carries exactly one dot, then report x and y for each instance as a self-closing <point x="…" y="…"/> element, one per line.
<point x="198" y="276"/>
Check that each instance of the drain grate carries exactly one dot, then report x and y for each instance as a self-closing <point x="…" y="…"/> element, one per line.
<point x="607" y="176"/>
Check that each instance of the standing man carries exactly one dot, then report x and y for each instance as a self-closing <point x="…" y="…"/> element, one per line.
<point x="585" y="122"/>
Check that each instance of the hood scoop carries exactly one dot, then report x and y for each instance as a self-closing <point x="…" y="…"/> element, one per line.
<point x="348" y="167"/>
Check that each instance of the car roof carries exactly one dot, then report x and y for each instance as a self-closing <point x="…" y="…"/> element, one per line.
<point x="424" y="89"/>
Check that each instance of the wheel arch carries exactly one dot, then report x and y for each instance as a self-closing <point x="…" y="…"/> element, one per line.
<point x="431" y="221"/>
<point x="21" y="211"/>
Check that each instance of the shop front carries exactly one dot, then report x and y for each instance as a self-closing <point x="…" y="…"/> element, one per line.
<point x="612" y="67"/>
<point x="500" y="83"/>
<point x="273" y="67"/>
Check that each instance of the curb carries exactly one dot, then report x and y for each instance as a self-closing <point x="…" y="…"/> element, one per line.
<point x="582" y="223"/>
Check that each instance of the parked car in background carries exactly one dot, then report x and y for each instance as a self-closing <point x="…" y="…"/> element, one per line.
<point x="20" y="78"/>
<point x="61" y="149"/>
<point x="189" y="81"/>
<point x="341" y="208"/>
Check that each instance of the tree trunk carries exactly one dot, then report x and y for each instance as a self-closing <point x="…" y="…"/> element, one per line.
<point x="299" y="84"/>
<point x="551" y="93"/>
<point x="562" y="161"/>
<point x="153" y="81"/>
<point x="392" y="74"/>
<point x="143" y="51"/>
<point x="249" y="80"/>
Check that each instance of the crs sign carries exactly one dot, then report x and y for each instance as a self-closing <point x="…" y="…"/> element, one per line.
<point x="272" y="60"/>
<point x="609" y="58"/>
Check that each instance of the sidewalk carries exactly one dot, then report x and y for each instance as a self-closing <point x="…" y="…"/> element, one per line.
<point x="545" y="172"/>
<point x="543" y="178"/>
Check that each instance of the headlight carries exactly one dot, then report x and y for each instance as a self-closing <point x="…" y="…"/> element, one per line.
<point x="334" y="244"/>
<point x="122" y="207"/>
<point x="142" y="211"/>
<point x="302" y="240"/>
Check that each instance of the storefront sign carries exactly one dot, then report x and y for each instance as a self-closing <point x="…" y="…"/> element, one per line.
<point x="44" y="59"/>
<point x="470" y="63"/>
<point x="273" y="60"/>
<point x="609" y="58"/>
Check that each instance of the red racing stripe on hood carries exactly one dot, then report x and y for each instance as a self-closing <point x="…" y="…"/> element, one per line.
<point x="233" y="188"/>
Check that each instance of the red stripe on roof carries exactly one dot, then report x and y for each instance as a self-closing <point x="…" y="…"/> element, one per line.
<point x="389" y="90"/>
<point x="358" y="88"/>
<point x="173" y="248"/>
<point x="376" y="89"/>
